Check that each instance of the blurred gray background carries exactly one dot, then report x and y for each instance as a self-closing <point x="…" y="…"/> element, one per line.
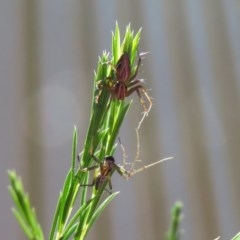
<point x="48" y="51"/>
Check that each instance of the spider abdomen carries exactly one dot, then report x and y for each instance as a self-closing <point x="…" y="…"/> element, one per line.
<point x="120" y="91"/>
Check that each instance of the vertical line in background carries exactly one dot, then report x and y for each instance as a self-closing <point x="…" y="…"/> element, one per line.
<point x="149" y="220"/>
<point x="12" y="75"/>
<point x="232" y="113"/>
<point x="210" y="125"/>
<point x="231" y="13"/>
<point x="232" y="17"/>
<point x="202" y="163"/>
<point x="152" y="193"/>
<point x="226" y="93"/>
<point x="190" y="125"/>
<point x="165" y="122"/>
<point x="88" y="33"/>
<point x="33" y="153"/>
<point x="213" y="129"/>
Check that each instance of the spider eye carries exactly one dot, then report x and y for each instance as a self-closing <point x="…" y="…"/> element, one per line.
<point x="110" y="159"/>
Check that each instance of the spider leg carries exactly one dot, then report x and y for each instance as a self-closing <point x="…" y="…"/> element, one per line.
<point x="148" y="166"/>
<point x="122" y="172"/>
<point x="104" y="85"/>
<point x="87" y="169"/>
<point x="109" y="184"/>
<point x="110" y="64"/>
<point x="138" y="65"/>
<point x="89" y="184"/>
<point x="137" y="89"/>
<point x="137" y="157"/>
<point x="147" y="97"/>
<point x="96" y="160"/>
<point x="110" y="87"/>
<point x="124" y="153"/>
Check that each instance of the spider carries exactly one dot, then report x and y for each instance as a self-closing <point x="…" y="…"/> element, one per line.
<point x="106" y="169"/>
<point x="125" y="83"/>
<point x="108" y="166"/>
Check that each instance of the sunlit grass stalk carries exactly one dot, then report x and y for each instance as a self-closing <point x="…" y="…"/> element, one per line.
<point x="173" y="232"/>
<point x="107" y="116"/>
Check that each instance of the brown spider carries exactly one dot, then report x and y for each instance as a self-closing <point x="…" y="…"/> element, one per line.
<point x="124" y="83"/>
<point x="106" y="169"/>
